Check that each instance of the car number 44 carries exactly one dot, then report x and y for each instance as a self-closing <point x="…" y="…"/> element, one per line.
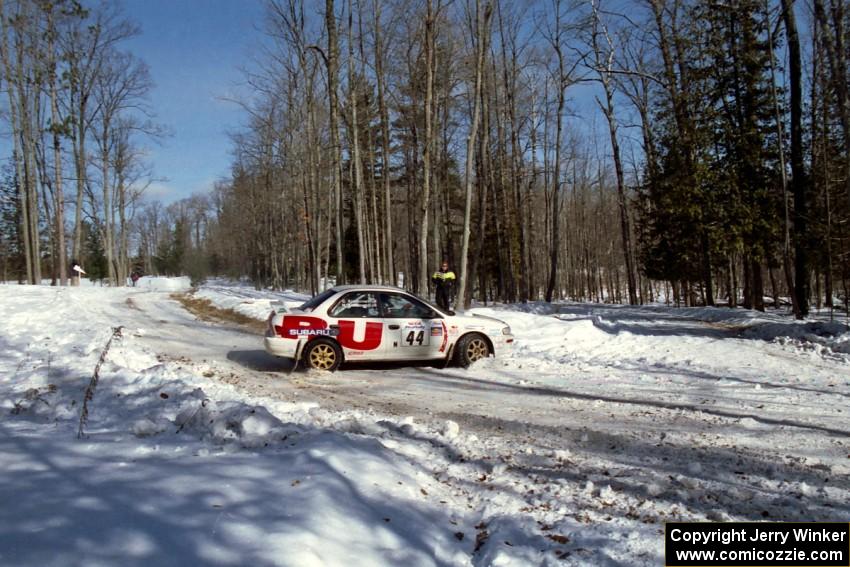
<point x="415" y="337"/>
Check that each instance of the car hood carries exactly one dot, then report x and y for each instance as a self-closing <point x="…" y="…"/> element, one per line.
<point x="474" y="320"/>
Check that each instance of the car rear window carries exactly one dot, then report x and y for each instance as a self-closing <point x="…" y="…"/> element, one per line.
<point x="317" y="300"/>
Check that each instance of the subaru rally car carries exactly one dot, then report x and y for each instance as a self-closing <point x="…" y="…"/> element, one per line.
<point x="368" y="323"/>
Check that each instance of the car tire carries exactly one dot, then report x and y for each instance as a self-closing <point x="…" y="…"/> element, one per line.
<point x="323" y="354"/>
<point x="471" y="348"/>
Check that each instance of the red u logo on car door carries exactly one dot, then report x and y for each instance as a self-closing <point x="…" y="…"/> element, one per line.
<point x="371" y="339"/>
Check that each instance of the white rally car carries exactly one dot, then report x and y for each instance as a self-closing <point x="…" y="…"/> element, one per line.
<point x="367" y="323"/>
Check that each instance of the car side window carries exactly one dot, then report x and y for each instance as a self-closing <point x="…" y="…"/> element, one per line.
<point x="400" y="306"/>
<point x="356" y="304"/>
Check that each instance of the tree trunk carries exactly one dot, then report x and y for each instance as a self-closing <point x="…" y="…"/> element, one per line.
<point x="482" y="33"/>
<point x="57" y="152"/>
<point x="425" y="197"/>
<point x="836" y="56"/>
<point x="554" y="243"/>
<point x="799" y="183"/>
<point x="385" y="148"/>
<point x="18" y="150"/>
<point x="108" y="227"/>
<point x="604" y="69"/>
<point x="357" y="165"/>
<point x="332" y="62"/>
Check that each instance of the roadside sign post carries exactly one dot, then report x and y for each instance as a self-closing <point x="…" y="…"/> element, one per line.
<point x="79" y="271"/>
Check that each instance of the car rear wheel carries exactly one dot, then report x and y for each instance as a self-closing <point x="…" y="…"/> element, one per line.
<point x="323" y="354"/>
<point x="471" y="348"/>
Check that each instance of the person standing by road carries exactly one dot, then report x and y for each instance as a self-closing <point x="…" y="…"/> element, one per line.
<point x="444" y="283"/>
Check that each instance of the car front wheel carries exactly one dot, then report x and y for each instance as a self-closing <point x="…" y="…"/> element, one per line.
<point x="471" y="348"/>
<point x="323" y="354"/>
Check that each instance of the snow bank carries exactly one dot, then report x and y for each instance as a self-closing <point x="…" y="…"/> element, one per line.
<point x="244" y="299"/>
<point x="606" y="329"/>
<point x="825" y="337"/>
<point x="224" y="422"/>
<point x="163" y="284"/>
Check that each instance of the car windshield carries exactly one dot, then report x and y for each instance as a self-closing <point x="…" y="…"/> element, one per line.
<point x="439" y="310"/>
<point x="317" y="300"/>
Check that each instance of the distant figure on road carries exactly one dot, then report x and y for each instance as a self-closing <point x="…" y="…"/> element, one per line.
<point x="444" y="282"/>
<point x="135" y="277"/>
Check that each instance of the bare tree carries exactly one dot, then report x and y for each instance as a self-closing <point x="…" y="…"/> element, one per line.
<point x="332" y="63"/>
<point x="480" y="42"/>
<point x="428" y="142"/>
<point x="604" y="66"/>
<point x="86" y="45"/>
<point x="562" y="79"/>
<point x="121" y="85"/>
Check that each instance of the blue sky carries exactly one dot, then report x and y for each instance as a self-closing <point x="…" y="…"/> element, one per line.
<point x="194" y="49"/>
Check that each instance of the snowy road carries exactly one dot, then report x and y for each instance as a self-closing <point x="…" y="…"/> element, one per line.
<point x="604" y="423"/>
<point x="682" y="403"/>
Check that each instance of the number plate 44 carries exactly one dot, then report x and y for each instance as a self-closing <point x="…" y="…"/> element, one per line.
<point x="415" y="335"/>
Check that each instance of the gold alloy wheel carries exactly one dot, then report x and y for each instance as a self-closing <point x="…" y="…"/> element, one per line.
<point x="476" y="350"/>
<point x="322" y="357"/>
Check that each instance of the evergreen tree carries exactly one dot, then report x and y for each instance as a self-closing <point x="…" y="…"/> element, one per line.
<point x="714" y="192"/>
<point x="11" y="251"/>
<point x="93" y="255"/>
<point x="742" y="123"/>
<point x="172" y="250"/>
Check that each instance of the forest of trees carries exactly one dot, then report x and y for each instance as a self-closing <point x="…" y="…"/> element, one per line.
<point x="695" y="152"/>
<point x="74" y="111"/>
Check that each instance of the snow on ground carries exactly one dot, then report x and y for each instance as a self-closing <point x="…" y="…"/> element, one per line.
<point x="743" y="400"/>
<point x="605" y="422"/>
<point x="176" y="469"/>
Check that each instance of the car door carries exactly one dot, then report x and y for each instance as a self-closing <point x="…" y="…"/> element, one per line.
<point x="358" y="327"/>
<point x="414" y="331"/>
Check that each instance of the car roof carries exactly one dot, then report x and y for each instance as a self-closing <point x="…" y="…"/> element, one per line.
<point x="368" y="288"/>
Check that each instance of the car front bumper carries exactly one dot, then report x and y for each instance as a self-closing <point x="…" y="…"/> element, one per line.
<point x="502" y="344"/>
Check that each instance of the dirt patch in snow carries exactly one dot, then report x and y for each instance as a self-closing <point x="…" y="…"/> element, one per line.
<point x="204" y="310"/>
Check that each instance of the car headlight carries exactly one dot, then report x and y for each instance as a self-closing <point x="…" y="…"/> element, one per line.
<point x="506" y="330"/>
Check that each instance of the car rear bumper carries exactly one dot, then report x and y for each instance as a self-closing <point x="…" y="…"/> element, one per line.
<point x="286" y="348"/>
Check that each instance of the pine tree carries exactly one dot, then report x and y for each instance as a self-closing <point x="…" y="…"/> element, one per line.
<point x="11" y="250"/>
<point x="93" y="255"/>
